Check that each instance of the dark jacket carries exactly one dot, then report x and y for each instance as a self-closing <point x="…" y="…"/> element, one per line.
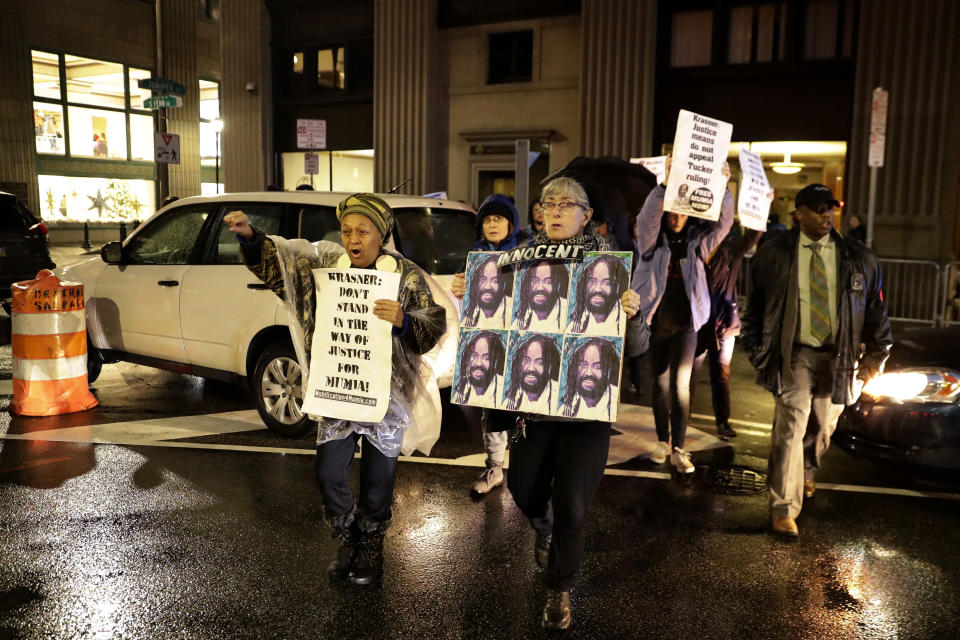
<point x="723" y="273"/>
<point x="861" y="314"/>
<point x="500" y="205"/>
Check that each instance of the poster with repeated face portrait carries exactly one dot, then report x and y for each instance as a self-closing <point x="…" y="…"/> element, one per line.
<point x="595" y="290"/>
<point x="478" y="374"/>
<point x="540" y="291"/>
<point x="590" y="378"/>
<point x="532" y="381"/>
<point x="488" y="302"/>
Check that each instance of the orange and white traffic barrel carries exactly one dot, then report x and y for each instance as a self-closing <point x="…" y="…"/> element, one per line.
<point x="49" y="347"/>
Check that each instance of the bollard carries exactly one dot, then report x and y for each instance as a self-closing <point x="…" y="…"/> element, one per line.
<point x="86" y="236"/>
<point x="136" y="223"/>
<point x="123" y="231"/>
<point x="49" y="341"/>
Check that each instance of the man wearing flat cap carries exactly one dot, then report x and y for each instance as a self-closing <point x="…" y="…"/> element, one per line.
<point x="816" y="298"/>
<point x="366" y="222"/>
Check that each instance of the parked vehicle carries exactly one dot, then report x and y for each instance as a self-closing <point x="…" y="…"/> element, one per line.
<point x="23" y="245"/>
<point x="909" y="416"/>
<point x="175" y="295"/>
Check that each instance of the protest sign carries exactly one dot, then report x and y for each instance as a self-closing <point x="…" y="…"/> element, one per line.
<point x="754" y="201"/>
<point x="696" y="183"/>
<point x="351" y="356"/>
<point x="514" y="342"/>
<point x="656" y="165"/>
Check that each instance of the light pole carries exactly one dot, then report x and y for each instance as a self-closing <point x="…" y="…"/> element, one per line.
<point x="218" y="127"/>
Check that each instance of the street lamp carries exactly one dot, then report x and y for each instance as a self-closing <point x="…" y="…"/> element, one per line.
<point x="218" y="127"/>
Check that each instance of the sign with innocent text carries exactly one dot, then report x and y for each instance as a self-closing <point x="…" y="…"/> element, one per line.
<point x="696" y="183"/>
<point x="351" y="355"/>
<point x="544" y="335"/>
<point x="753" y="203"/>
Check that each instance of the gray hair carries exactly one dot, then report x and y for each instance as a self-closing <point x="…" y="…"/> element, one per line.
<point x="565" y="186"/>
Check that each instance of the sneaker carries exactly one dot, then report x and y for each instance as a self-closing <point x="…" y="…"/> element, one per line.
<point x="681" y="460"/>
<point x="541" y="550"/>
<point x="556" y="613"/>
<point x="490" y="478"/>
<point x="725" y="431"/>
<point x="659" y="455"/>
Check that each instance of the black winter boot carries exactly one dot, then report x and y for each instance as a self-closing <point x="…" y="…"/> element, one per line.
<point x="349" y="537"/>
<point x="368" y="563"/>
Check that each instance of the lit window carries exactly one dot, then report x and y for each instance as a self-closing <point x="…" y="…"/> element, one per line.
<point x="95" y="199"/>
<point x="46" y="75"/>
<point x="141" y="137"/>
<point x="94" y="82"/>
<point x="98" y="133"/>
<point x="298" y="62"/>
<point x="330" y="68"/>
<point x="48" y="127"/>
<point x="138" y="95"/>
<point x="692" y="38"/>
<point x="209" y="112"/>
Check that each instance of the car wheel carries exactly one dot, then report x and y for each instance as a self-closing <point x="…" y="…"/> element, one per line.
<point x="278" y="385"/>
<point x="94" y="363"/>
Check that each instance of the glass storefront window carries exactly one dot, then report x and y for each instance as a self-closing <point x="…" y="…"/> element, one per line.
<point x="138" y="95"/>
<point x="73" y="199"/>
<point x="352" y="170"/>
<point x="48" y="127"/>
<point x="209" y="100"/>
<point x="208" y="144"/>
<point x="97" y="133"/>
<point x="94" y="82"/>
<point x="141" y="137"/>
<point x="46" y="74"/>
<point x="330" y="68"/>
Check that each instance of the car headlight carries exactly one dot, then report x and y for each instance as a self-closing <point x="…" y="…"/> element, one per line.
<point x="915" y="385"/>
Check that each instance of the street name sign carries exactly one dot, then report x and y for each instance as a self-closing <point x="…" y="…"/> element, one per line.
<point x="163" y="101"/>
<point x="162" y="85"/>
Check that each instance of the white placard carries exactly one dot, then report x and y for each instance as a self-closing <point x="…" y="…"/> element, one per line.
<point x="166" y="148"/>
<point x="311" y="163"/>
<point x="311" y="134"/>
<point x="878" y="127"/>
<point x="656" y="165"/>
<point x="696" y="184"/>
<point x="351" y="356"/>
<point x="753" y="203"/>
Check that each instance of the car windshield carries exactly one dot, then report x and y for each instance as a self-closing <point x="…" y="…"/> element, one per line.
<point x="436" y="239"/>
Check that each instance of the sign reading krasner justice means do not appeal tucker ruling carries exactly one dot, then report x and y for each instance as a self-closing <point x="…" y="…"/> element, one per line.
<point x="351" y="356"/>
<point x="696" y="183"/>
<point x="753" y="204"/>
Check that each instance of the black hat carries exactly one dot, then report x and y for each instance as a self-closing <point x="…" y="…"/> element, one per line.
<point x="815" y="194"/>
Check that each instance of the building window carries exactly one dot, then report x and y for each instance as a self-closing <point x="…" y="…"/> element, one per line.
<point x="757" y="33"/>
<point x="211" y="156"/>
<point x="297" y="66"/>
<point x="95" y="199"/>
<point x="48" y="127"/>
<point x="829" y="29"/>
<point x="208" y="9"/>
<point x="691" y="38"/>
<point x="510" y="57"/>
<point x="330" y="68"/>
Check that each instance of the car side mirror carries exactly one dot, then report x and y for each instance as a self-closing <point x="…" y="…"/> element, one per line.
<point x="112" y="253"/>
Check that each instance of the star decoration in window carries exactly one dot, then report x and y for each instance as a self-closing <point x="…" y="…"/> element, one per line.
<point x="99" y="203"/>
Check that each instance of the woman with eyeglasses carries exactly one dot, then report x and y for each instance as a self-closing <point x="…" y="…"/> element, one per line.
<point x="671" y="283"/>
<point x="556" y="463"/>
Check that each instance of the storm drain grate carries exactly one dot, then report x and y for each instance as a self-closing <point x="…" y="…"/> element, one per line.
<point x="731" y="479"/>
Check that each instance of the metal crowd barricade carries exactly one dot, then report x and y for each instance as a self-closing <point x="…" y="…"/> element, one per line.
<point x="950" y="296"/>
<point x="911" y="289"/>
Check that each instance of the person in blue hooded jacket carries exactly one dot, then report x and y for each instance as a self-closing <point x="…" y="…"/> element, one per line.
<point x="671" y="281"/>
<point x="498" y="229"/>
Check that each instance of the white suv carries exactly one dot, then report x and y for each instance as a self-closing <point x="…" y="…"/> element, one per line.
<point x="176" y="296"/>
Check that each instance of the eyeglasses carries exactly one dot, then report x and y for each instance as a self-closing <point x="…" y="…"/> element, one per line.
<point x="565" y="207"/>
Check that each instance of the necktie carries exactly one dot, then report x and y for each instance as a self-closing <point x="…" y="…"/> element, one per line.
<point x="819" y="295"/>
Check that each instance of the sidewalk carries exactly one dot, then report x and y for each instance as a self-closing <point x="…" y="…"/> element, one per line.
<point x="64" y="254"/>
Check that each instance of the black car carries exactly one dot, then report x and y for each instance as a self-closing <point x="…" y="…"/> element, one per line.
<point x="909" y="416"/>
<point x="23" y="244"/>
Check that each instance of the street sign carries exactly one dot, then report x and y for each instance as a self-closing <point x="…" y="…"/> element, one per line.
<point x="878" y="127"/>
<point x="162" y="85"/>
<point x="160" y="102"/>
<point x="311" y="134"/>
<point x="311" y="163"/>
<point x="166" y="148"/>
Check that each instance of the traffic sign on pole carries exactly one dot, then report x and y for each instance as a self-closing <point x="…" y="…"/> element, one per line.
<point x="161" y="102"/>
<point x="162" y="85"/>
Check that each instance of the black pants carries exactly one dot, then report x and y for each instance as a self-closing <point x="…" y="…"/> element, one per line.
<point x="718" y="353"/>
<point x="671" y="363"/>
<point x="377" y="475"/>
<point x="559" y="463"/>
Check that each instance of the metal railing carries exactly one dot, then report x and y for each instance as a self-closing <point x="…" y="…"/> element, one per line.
<point x="950" y="295"/>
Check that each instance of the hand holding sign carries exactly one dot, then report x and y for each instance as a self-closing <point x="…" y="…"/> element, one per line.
<point x="389" y="310"/>
<point x="238" y="223"/>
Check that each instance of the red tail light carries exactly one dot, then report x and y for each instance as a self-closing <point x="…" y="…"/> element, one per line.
<point x="39" y="228"/>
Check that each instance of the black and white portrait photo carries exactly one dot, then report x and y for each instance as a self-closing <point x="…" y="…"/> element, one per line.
<point x="540" y="296"/>
<point x="595" y="293"/>
<point x="533" y="372"/>
<point x="590" y="377"/>
<point x="487" y="303"/>
<point x="478" y="375"/>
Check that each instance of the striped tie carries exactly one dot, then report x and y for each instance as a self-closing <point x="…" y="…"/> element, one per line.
<point x="819" y="295"/>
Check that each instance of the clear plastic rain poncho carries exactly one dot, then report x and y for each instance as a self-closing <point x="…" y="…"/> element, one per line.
<point x="425" y="352"/>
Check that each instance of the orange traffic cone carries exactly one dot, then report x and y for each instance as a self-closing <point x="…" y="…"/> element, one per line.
<point x="49" y="347"/>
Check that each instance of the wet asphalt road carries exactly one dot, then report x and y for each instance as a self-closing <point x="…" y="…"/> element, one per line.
<point x="172" y="539"/>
